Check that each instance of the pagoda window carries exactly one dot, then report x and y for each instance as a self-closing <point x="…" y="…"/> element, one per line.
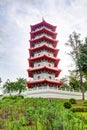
<point x="38" y="77"/>
<point x="43" y="71"/>
<point x="49" y="65"/>
<point x="39" y="85"/>
<point x="50" y="72"/>
<point x="49" y="77"/>
<point x="38" y="65"/>
<point x="45" y="84"/>
<point x="38" y="72"/>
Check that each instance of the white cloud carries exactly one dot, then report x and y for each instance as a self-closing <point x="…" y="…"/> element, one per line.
<point x="16" y="18"/>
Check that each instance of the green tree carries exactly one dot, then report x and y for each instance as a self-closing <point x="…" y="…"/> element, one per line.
<point x="65" y="84"/>
<point x="75" y="43"/>
<point x="20" y="85"/>
<point x="82" y="60"/>
<point x="74" y="81"/>
<point x="9" y="86"/>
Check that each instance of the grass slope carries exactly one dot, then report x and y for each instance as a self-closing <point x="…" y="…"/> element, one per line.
<point x="18" y="113"/>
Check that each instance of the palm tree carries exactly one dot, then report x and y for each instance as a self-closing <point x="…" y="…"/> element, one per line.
<point x="20" y="85"/>
<point x="9" y="86"/>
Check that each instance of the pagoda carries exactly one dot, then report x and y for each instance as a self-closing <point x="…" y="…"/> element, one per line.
<point x="43" y="61"/>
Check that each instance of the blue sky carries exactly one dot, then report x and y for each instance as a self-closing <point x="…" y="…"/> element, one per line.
<point x="16" y="16"/>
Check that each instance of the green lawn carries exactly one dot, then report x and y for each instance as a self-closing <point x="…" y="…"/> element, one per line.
<point x="18" y="113"/>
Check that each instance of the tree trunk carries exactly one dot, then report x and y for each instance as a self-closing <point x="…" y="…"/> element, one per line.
<point x="82" y="87"/>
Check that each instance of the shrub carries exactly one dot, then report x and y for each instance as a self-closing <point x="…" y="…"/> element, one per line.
<point x="67" y="105"/>
<point x="9" y="97"/>
<point x="79" y="109"/>
<point x="20" y="96"/>
<point x="13" y="97"/>
<point x="72" y="101"/>
<point x="5" y="97"/>
<point x="85" y="103"/>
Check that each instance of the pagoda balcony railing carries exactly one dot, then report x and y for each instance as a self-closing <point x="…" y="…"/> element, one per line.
<point x="56" y="88"/>
<point x="43" y="43"/>
<point x="43" y="87"/>
<point x="38" y="36"/>
<point x="36" y="80"/>
<point x="36" y="67"/>
<point x="47" y="54"/>
<point x="42" y="28"/>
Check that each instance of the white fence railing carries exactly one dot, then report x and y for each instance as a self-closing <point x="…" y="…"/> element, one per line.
<point x="47" y="92"/>
<point x="53" y="93"/>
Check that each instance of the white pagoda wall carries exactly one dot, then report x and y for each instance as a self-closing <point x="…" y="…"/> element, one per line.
<point x="50" y="93"/>
<point x="42" y="43"/>
<point x="44" y="76"/>
<point x="42" y="53"/>
<point x="54" y="93"/>
<point x="43" y="63"/>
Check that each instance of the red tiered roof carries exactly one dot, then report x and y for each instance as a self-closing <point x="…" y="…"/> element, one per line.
<point x="44" y="46"/>
<point x="44" y="81"/>
<point x="33" y="59"/>
<point x="55" y="70"/>
<point x="43" y="23"/>
<point x="43" y="34"/>
<point x="43" y="30"/>
<point x="42" y="38"/>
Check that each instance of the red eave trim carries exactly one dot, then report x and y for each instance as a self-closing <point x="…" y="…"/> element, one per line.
<point x="31" y="60"/>
<point x="45" y="30"/>
<point x="43" y="56"/>
<point x="54" y="42"/>
<point x="45" y="81"/>
<point x="54" y="27"/>
<point x="44" y="37"/>
<point x="32" y="50"/>
<point x="42" y="47"/>
<point x="31" y="70"/>
<point x="43" y="23"/>
<point x="56" y="60"/>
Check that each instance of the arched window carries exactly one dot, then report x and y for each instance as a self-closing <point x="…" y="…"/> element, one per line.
<point x="49" y="77"/>
<point x="49" y="65"/>
<point x="38" y="77"/>
<point x="38" y="65"/>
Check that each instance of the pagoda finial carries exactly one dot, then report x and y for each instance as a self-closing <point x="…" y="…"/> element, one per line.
<point x="42" y="18"/>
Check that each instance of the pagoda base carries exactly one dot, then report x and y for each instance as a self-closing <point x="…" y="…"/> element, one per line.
<point x="47" y="92"/>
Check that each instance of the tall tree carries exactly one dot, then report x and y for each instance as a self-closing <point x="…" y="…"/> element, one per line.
<point x="75" y="43"/>
<point x="74" y="81"/>
<point x="82" y="60"/>
<point x="20" y="85"/>
<point x="9" y="86"/>
<point x="17" y="86"/>
<point x="65" y="85"/>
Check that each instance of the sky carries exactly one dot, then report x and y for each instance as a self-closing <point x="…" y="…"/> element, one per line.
<point x="16" y="16"/>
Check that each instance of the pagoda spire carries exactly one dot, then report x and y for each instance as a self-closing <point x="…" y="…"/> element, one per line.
<point x="43" y="60"/>
<point x="42" y="18"/>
